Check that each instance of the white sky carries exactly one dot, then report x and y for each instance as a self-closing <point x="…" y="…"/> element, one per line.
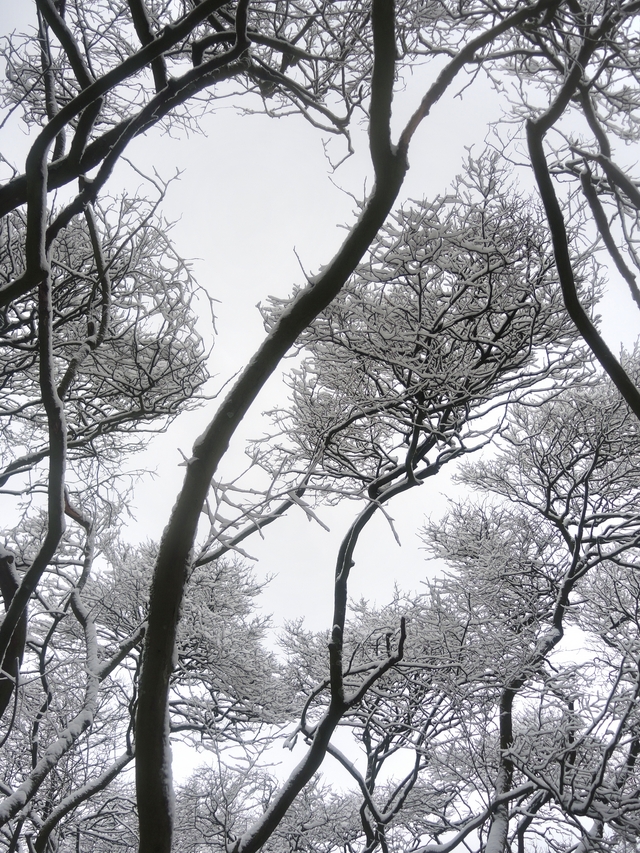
<point x="255" y="192"/>
<point x="255" y="195"/>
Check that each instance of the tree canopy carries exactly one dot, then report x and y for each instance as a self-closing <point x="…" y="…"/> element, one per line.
<point x="496" y="709"/>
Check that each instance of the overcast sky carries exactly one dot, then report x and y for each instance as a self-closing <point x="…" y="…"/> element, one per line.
<point x="255" y="199"/>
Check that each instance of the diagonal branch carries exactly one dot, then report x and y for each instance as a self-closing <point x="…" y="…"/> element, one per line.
<point x="619" y="376"/>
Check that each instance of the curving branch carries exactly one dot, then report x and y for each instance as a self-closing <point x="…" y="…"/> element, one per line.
<point x="95" y="336"/>
<point x="152" y="744"/>
<point x="142" y="24"/>
<point x="153" y="777"/>
<point x="10" y="663"/>
<point x="76" y="798"/>
<point x="58" y="26"/>
<point x="57" y="455"/>
<point x="12" y="804"/>
<point x="536" y="131"/>
<point x="16" y="191"/>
